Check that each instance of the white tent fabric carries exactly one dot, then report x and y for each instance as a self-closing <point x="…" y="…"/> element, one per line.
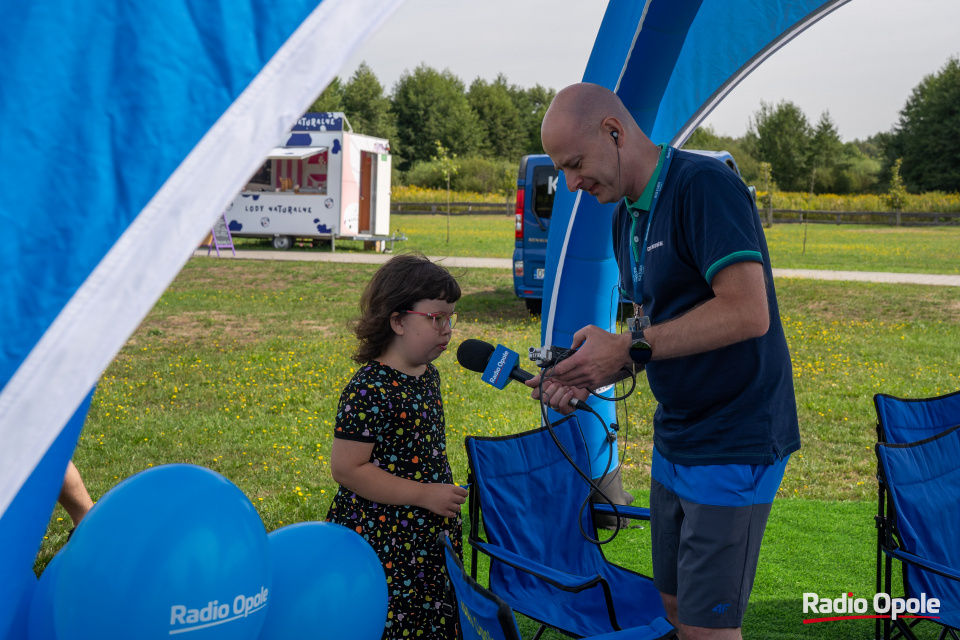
<point x="204" y="111"/>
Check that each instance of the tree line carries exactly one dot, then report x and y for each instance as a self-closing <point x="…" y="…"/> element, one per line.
<point x="920" y="153"/>
<point x="490" y="125"/>
<point x="487" y="127"/>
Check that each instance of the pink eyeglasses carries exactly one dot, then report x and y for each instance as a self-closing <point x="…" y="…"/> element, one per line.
<point x="440" y="319"/>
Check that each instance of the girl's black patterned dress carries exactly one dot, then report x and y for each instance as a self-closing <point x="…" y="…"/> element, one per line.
<point x="403" y="417"/>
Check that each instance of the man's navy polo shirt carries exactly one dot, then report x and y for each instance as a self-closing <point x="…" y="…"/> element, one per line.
<point x="733" y="405"/>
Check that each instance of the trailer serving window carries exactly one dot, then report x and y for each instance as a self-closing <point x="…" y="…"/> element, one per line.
<point x="262" y="179"/>
<point x="300" y="169"/>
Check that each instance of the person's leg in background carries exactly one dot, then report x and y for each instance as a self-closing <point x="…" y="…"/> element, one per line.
<point x="73" y="496"/>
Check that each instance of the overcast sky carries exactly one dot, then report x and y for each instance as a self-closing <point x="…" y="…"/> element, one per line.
<point x="861" y="62"/>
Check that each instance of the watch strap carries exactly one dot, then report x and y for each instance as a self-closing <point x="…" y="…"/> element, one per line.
<point x="640" y="350"/>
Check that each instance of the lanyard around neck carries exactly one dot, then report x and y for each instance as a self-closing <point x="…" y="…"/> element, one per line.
<point x="638" y="253"/>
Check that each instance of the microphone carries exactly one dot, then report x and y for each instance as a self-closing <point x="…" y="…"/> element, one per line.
<point x="476" y="355"/>
<point x="498" y="366"/>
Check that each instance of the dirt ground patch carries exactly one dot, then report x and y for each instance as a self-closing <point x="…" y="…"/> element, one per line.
<point x="242" y="276"/>
<point x="318" y="329"/>
<point x="200" y="325"/>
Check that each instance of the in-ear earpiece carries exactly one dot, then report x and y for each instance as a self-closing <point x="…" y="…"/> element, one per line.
<point x="615" y="135"/>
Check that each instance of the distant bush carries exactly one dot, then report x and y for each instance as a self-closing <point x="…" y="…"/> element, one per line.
<point x="932" y="202"/>
<point x="419" y="194"/>
<point x="475" y="173"/>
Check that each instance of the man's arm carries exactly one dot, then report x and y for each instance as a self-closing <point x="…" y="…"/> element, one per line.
<point x="738" y="311"/>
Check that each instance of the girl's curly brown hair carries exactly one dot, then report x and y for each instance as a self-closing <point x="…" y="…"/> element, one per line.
<point x="399" y="284"/>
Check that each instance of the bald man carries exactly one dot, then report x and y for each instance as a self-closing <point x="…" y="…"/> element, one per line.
<point x="692" y="256"/>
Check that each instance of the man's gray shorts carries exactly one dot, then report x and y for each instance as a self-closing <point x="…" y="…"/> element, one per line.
<point x="706" y="554"/>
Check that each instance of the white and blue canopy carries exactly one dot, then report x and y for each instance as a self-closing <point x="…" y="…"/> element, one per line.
<point x="126" y="128"/>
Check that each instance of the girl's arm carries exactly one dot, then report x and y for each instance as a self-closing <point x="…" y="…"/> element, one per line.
<point x="351" y="467"/>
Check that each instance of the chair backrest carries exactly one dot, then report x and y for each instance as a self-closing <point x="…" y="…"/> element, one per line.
<point x="530" y="498"/>
<point x="923" y="479"/>
<point x="904" y="420"/>
<point x="483" y="616"/>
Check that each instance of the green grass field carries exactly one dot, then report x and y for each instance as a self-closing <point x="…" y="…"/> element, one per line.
<point x="239" y="367"/>
<point x="828" y="246"/>
<point x="866" y="248"/>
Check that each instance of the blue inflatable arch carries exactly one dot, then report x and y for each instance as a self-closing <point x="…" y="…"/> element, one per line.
<point x="670" y="62"/>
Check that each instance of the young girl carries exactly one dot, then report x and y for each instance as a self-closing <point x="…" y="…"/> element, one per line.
<point x="389" y="449"/>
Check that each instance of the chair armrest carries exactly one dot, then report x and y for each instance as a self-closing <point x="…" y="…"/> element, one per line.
<point x="658" y="629"/>
<point x="929" y="565"/>
<point x="634" y="513"/>
<point x="558" y="579"/>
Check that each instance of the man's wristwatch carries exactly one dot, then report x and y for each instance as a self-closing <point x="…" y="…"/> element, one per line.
<point x="640" y="350"/>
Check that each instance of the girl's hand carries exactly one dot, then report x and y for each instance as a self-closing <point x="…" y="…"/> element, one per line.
<point x="444" y="500"/>
<point x="556" y="395"/>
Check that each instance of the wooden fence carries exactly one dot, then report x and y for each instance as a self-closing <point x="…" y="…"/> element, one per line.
<point x="894" y="218"/>
<point x="456" y="208"/>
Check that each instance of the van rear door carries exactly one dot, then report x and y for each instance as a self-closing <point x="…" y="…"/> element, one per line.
<point x="541" y="183"/>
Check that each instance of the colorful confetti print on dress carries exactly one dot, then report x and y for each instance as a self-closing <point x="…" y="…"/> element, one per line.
<point x="403" y="417"/>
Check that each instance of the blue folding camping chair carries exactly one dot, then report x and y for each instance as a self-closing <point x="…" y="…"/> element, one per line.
<point x="900" y="421"/>
<point x="529" y="501"/>
<point x="484" y="616"/>
<point x="911" y="419"/>
<point x="922" y="527"/>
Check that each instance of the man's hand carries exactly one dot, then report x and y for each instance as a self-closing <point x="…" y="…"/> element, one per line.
<point x="599" y="358"/>
<point x="444" y="500"/>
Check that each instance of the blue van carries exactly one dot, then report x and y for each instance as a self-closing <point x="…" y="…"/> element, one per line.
<point x="536" y="186"/>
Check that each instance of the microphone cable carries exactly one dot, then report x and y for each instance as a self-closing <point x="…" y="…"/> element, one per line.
<point x="546" y="374"/>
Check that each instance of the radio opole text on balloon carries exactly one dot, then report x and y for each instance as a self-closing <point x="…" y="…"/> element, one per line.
<point x="215" y="612"/>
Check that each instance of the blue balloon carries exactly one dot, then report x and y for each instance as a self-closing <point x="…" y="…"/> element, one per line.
<point x="327" y="583"/>
<point x="41" y="606"/>
<point x="24" y="522"/>
<point x="173" y="549"/>
<point x="18" y="609"/>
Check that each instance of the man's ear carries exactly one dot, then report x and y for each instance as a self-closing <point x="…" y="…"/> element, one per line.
<point x="396" y="323"/>
<point x="612" y="127"/>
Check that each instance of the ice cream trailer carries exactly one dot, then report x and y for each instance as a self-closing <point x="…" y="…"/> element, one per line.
<point x="323" y="181"/>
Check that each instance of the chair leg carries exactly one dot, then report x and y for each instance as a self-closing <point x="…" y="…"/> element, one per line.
<point x="904" y="629"/>
<point x="539" y="632"/>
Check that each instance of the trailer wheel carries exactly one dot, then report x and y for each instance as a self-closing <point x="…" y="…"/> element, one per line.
<point x="534" y="305"/>
<point x="282" y="243"/>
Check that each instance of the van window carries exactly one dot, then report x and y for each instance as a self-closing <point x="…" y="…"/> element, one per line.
<point x="544" y="188"/>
